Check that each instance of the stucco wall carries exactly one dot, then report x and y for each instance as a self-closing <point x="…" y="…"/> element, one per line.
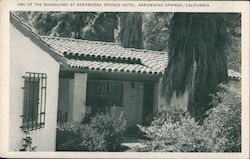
<point x="25" y="56"/>
<point x="235" y="84"/>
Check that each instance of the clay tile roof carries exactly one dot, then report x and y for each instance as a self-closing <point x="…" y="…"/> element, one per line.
<point x="107" y="56"/>
<point x="234" y="75"/>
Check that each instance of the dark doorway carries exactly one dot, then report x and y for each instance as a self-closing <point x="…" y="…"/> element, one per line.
<point x="148" y="101"/>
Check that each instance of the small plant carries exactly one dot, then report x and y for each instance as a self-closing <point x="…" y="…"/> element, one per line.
<point x="27" y="142"/>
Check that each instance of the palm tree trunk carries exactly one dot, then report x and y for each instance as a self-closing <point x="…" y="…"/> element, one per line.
<point x="197" y="59"/>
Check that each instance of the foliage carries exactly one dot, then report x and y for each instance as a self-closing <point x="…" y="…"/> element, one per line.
<point x="234" y="53"/>
<point x="197" y="59"/>
<point x="155" y="29"/>
<point x="223" y="124"/>
<point x="103" y="133"/>
<point x="131" y="30"/>
<point x="27" y="142"/>
<point x="79" y="25"/>
<point x="233" y="47"/>
<point x="112" y="128"/>
<point x="171" y="132"/>
<point x="72" y="136"/>
<point x="177" y="131"/>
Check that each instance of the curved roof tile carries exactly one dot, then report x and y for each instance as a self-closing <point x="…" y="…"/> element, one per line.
<point x="108" y="56"/>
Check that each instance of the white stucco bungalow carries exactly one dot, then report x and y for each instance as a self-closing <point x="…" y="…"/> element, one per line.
<point x="61" y="79"/>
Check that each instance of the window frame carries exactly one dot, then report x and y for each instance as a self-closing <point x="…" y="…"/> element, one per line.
<point x="34" y="101"/>
<point x="107" y="95"/>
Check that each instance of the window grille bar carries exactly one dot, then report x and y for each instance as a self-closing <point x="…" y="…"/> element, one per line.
<point x="41" y="102"/>
<point x="36" y="101"/>
<point x="24" y="110"/>
<point x="45" y="99"/>
<point x="33" y="101"/>
<point x="37" y="105"/>
<point x="29" y="103"/>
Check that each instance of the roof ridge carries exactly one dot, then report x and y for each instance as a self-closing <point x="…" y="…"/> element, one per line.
<point x="73" y="39"/>
<point x="103" y="42"/>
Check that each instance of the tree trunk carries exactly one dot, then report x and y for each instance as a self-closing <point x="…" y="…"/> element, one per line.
<point x="197" y="59"/>
<point x="131" y="30"/>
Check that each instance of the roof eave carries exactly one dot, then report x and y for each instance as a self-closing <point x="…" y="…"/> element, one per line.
<point x="145" y="77"/>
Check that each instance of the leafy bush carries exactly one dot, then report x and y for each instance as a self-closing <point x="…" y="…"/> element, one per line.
<point x="72" y="136"/>
<point x="223" y="125"/>
<point x="177" y="131"/>
<point x="173" y="131"/>
<point x="103" y="132"/>
<point x="112" y="128"/>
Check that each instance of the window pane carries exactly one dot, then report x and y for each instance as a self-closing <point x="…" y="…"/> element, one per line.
<point x="34" y="98"/>
<point x="31" y="100"/>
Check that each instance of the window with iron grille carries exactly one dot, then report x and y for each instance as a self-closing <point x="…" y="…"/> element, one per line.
<point x="102" y="94"/>
<point x="34" y="101"/>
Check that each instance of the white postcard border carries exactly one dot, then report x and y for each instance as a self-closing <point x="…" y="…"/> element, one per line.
<point x="214" y="6"/>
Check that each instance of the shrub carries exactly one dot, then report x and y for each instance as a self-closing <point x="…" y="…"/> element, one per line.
<point x="112" y="127"/>
<point x="171" y="132"/>
<point x="177" y="131"/>
<point x="72" y="136"/>
<point x="103" y="132"/>
<point x="223" y="124"/>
